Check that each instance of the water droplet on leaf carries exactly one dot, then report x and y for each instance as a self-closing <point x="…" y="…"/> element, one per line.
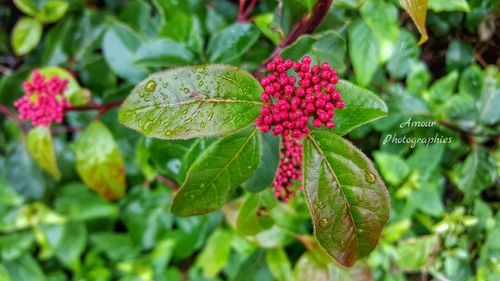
<point x="320" y="205"/>
<point x="150" y="86"/>
<point x="370" y="177"/>
<point x="323" y="222"/>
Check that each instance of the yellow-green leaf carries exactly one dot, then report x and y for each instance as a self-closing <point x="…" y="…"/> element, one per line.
<point x="26" y="35"/>
<point x="99" y="162"/>
<point x="41" y="149"/>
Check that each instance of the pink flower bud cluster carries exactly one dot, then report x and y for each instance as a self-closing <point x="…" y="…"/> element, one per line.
<point x="291" y="103"/>
<point x="290" y="168"/>
<point x="289" y="107"/>
<point x="43" y="101"/>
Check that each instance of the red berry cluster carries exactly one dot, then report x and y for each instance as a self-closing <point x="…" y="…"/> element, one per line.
<point x="43" y="101"/>
<point x="290" y="104"/>
<point x="290" y="168"/>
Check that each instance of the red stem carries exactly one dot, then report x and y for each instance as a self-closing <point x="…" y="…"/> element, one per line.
<point x="306" y="25"/>
<point x="100" y="107"/>
<point x="12" y="116"/>
<point x="167" y="182"/>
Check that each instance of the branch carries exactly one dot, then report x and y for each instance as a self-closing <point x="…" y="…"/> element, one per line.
<point x="10" y="115"/>
<point x="99" y="107"/>
<point x="306" y="25"/>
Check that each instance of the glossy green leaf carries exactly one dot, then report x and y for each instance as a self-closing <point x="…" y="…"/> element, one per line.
<point x="361" y="107"/>
<point x="41" y="149"/>
<point x="348" y="201"/>
<point x="232" y="42"/>
<point x="216" y="252"/>
<point x="189" y="102"/>
<point x="417" y="9"/>
<point x="363" y="51"/>
<point x="443" y="88"/>
<point x="25" y="36"/>
<point x="223" y="166"/>
<point x="99" y="161"/>
<point x="120" y="46"/>
<point x="72" y="244"/>
<point x="449" y="5"/>
<point x="44" y="11"/>
<point x="163" y="53"/>
<point x="264" y="176"/>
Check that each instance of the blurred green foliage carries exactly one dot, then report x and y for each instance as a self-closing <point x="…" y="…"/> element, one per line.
<point x="444" y="223"/>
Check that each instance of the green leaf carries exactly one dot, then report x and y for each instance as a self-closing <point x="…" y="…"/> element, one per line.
<point x="120" y="46"/>
<point x="25" y="36"/>
<point x="225" y="164"/>
<point x="449" y="5"/>
<point x="444" y="87"/>
<point x="116" y="246"/>
<point x="231" y="42"/>
<point x="14" y="245"/>
<point x="363" y="51"/>
<point x="279" y="264"/>
<point x="265" y="23"/>
<point x="24" y="268"/>
<point x="406" y="52"/>
<point x="52" y="11"/>
<point x="475" y="174"/>
<point x="72" y="244"/>
<point x="382" y="18"/>
<point x="348" y="201"/>
<point x="319" y="47"/>
<point x="254" y="215"/>
<point x="99" y="162"/>
<point x="414" y="253"/>
<point x="79" y="203"/>
<point x="44" y="11"/>
<point x="392" y="167"/>
<point x="489" y="102"/>
<point x="417" y="9"/>
<point x="269" y="161"/>
<point x="41" y="149"/>
<point x="216" y="252"/>
<point x="459" y="55"/>
<point x="189" y="102"/>
<point x="362" y="106"/>
<point x="471" y="79"/>
<point x="163" y="53"/>
<point x="418" y="78"/>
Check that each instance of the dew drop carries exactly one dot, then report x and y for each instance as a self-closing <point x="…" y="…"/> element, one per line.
<point x="150" y="86"/>
<point x="323" y="222"/>
<point x="203" y="124"/>
<point x="167" y="132"/>
<point x="320" y="205"/>
<point x="360" y="197"/>
<point x="198" y="77"/>
<point x="186" y="90"/>
<point x="370" y="177"/>
<point x="200" y="84"/>
<point x="164" y="84"/>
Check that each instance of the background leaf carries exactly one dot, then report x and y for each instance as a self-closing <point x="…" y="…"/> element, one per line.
<point x="417" y="9"/>
<point x="26" y="35"/>
<point x="99" y="162"/>
<point x="42" y="150"/>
